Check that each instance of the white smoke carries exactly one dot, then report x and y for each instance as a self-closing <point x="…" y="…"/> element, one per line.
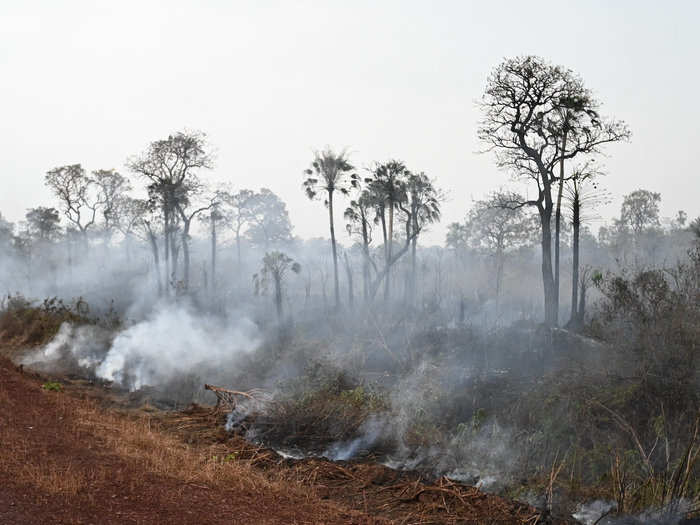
<point x="372" y="430"/>
<point x="86" y="343"/>
<point x="173" y="340"/>
<point x="590" y="513"/>
<point x="597" y="512"/>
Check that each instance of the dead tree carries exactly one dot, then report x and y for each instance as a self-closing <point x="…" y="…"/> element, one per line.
<point x="170" y="166"/>
<point x="525" y="108"/>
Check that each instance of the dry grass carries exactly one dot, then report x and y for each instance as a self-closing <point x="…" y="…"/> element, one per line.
<point x="137" y="439"/>
<point x="53" y="478"/>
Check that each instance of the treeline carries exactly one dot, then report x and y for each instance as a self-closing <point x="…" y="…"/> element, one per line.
<point x="542" y="123"/>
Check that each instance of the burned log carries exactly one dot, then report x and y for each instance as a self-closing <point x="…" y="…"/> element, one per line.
<point x="227" y="399"/>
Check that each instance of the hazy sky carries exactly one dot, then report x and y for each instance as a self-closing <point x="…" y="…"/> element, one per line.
<point x="94" y="82"/>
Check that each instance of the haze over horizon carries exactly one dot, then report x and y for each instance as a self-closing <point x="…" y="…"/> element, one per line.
<point x="395" y="80"/>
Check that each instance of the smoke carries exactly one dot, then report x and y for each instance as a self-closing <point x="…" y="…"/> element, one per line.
<point x="373" y="429"/>
<point x="85" y="345"/>
<point x="172" y="341"/>
<point x="590" y="513"/>
<point x="596" y="512"/>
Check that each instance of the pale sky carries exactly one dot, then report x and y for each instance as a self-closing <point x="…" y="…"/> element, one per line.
<point x="269" y="82"/>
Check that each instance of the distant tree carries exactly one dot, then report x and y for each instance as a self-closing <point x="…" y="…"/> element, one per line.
<point x="77" y="194"/>
<point x="274" y="269"/>
<point x="359" y="215"/>
<point x="528" y="106"/>
<point x="239" y="209"/>
<point x="43" y="224"/>
<point x="497" y="229"/>
<point x="680" y="221"/>
<point x="583" y="194"/>
<point x="387" y="185"/>
<point x="695" y="227"/>
<point x="329" y="173"/>
<point x="188" y="211"/>
<point x="457" y="237"/>
<point x="7" y="230"/>
<point x="140" y="218"/>
<point x="112" y="188"/>
<point x="421" y="209"/>
<point x="218" y="214"/>
<point x="171" y="167"/>
<point x="269" y="220"/>
<point x="640" y="211"/>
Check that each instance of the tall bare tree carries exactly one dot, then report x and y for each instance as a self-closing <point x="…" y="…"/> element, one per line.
<point x="112" y="188"/>
<point x="170" y="166"/>
<point x="188" y="211"/>
<point x="525" y="114"/>
<point x="77" y="194"/>
<point x="583" y="194"/>
<point x="330" y="172"/>
<point x="359" y="215"/>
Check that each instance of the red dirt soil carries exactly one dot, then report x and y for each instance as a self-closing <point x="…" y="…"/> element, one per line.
<point x="42" y="445"/>
<point x="63" y="459"/>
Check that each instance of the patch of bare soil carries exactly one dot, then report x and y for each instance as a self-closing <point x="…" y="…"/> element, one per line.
<point x="85" y="455"/>
<point x="65" y="460"/>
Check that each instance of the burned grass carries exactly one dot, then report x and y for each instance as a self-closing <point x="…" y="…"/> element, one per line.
<point x="67" y="460"/>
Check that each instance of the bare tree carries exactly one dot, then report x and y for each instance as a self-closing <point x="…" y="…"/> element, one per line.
<point x="497" y="229"/>
<point x="170" y="166"/>
<point x="239" y="209"/>
<point x="188" y="211"/>
<point x="583" y="194"/>
<point x="77" y="194"/>
<point x="141" y="218"/>
<point x="359" y="215"/>
<point x="527" y="107"/>
<point x="330" y="172"/>
<point x="112" y="188"/>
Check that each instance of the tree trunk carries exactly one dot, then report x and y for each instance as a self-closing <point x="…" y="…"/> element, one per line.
<point x="414" y="243"/>
<point x="351" y="292"/>
<point x="175" y="252"/>
<point x="581" y="305"/>
<point x="166" y="247"/>
<point x="213" y="253"/>
<point x="557" y="220"/>
<point x="389" y="249"/>
<point x="156" y="261"/>
<point x="185" y="261"/>
<point x="382" y="217"/>
<point x="499" y="271"/>
<point x="550" y="300"/>
<point x="278" y="297"/>
<point x="335" y="252"/>
<point x="365" y="260"/>
<point x="575" y="247"/>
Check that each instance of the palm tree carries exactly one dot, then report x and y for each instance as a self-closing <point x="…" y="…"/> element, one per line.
<point x="330" y="172"/>
<point x="273" y="271"/>
<point x="388" y="186"/>
<point x="422" y="208"/>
